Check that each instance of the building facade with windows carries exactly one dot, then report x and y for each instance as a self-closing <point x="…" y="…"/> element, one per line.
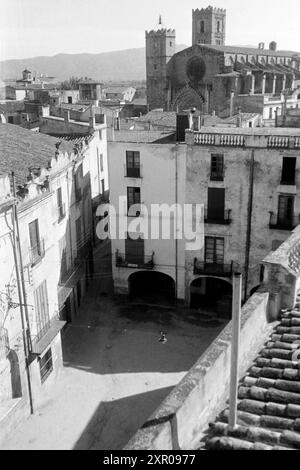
<point x="57" y="181"/>
<point x="248" y="183"/>
<point x="146" y="168"/>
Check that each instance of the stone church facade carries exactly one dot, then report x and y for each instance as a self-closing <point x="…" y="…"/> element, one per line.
<point x="212" y="76"/>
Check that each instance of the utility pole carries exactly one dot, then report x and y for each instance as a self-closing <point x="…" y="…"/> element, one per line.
<point x="22" y="292"/>
<point x="234" y="370"/>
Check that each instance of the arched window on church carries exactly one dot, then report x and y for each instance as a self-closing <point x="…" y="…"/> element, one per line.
<point x="218" y="26"/>
<point x="202" y="28"/>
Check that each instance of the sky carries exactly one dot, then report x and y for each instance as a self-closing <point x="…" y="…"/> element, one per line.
<point x="30" y="28"/>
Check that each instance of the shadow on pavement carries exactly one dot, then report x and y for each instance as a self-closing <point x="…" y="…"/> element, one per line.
<point x="114" y="423"/>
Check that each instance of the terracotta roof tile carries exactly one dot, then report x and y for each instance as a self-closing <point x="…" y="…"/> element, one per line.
<point x="269" y="397"/>
<point x="21" y="149"/>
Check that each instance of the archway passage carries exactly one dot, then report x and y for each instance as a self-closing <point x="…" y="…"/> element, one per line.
<point x="212" y="295"/>
<point x="152" y="288"/>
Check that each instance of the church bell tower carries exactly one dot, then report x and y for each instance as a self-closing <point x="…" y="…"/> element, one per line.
<point x="160" y="47"/>
<point x="209" y="26"/>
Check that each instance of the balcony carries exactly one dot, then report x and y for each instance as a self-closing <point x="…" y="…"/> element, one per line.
<point x="37" y="252"/>
<point x="225" y="220"/>
<point x="215" y="269"/>
<point x="61" y="212"/>
<point x="46" y="334"/>
<point x="283" y="224"/>
<point x="133" y="172"/>
<point x="129" y="261"/>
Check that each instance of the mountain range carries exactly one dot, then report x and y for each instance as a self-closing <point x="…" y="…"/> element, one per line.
<point x="125" y="65"/>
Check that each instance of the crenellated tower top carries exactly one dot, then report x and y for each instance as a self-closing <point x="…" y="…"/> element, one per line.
<point x="209" y="26"/>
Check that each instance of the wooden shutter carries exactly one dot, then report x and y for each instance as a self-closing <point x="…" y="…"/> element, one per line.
<point x="134" y="250"/>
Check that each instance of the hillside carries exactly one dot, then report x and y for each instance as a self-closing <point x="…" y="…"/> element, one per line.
<point x="117" y="66"/>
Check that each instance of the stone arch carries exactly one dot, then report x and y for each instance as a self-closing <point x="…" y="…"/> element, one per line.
<point x="152" y="287"/>
<point x="211" y="295"/>
<point x="187" y="98"/>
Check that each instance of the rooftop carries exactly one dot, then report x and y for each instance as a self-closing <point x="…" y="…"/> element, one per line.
<point x="269" y="397"/>
<point x="141" y="136"/>
<point x="255" y="131"/>
<point x="249" y="50"/>
<point x="117" y="89"/>
<point x="21" y="149"/>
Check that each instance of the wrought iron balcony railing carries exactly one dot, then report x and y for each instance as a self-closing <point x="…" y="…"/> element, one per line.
<point x="215" y="269"/>
<point x="37" y="252"/>
<point x="134" y="261"/>
<point x="225" y="219"/>
<point x="277" y="223"/>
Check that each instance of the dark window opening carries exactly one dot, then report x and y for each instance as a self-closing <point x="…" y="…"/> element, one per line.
<point x="215" y="204"/>
<point x="133" y="198"/>
<point x="288" y="171"/>
<point x="202" y="28"/>
<point x="133" y="164"/>
<point x="10" y="119"/>
<point x="70" y="101"/>
<point x="46" y="365"/>
<point x="217" y="167"/>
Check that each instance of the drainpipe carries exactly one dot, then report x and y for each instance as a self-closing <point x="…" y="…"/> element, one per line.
<point x="22" y="294"/>
<point x="249" y="222"/>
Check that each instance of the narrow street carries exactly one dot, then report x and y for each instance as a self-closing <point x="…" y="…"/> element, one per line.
<point x="115" y="371"/>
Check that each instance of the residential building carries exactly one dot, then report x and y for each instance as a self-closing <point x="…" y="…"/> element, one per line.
<point x="90" y="91"/>
<point x="57" y="180"/>
<point x="245" y="178"/>
<point x="146" y="168"/>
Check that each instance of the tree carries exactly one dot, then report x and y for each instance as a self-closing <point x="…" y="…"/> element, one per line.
<point x="71" y="84"/>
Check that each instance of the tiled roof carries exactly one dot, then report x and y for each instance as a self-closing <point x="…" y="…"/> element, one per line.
<point x="12" y="106"/>
<point x="117" y="89"/>
<point x="141" y="136"/>
<point x="21" y="149"/>
<point x="74" y="138"/>
<point x="159" y="118"/>
<point x="269" y="396"/>
<point x="249" y="51"/>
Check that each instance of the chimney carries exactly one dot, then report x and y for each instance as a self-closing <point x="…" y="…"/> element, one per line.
<point x="261" y="45"/>
<point x="92" y="119"/>
<point x="273" y="46"/>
